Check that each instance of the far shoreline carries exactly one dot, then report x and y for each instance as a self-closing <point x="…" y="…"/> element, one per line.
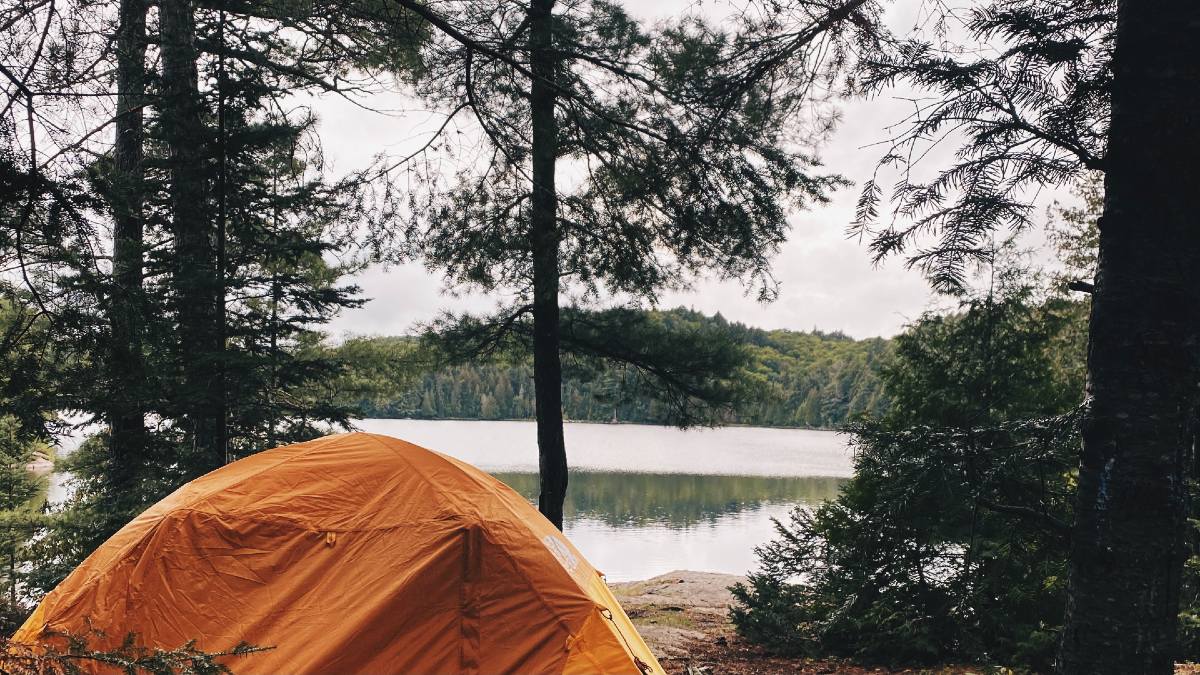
<point x="737" y="425"/>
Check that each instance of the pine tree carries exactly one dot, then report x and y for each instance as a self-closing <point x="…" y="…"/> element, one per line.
<point x="1143" y="365"/>
<point x="198" y="291"/>
<point x="680" y="140"/>
<point x="126" y="364"/>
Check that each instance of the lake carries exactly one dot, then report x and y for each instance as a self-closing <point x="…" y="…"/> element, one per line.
<point x="644" y="500"/>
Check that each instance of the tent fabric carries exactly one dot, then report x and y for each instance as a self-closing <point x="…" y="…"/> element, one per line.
<point x="356" y="553"/>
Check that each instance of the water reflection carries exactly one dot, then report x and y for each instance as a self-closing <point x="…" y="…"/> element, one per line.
<point x="674" y="500"/>
<point x="639" y="525"/>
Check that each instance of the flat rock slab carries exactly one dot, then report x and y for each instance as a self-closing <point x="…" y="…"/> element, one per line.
<point x="676" y="611"/>
<point x="691" y="590"/>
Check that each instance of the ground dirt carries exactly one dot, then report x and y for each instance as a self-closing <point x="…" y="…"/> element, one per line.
<point x="684" y="617"/>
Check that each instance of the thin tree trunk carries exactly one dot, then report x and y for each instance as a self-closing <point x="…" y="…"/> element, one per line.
<point x="12" y="542"/>
<point x="1123" y="598"/>
<point x="544" y="241"/>
<point x="195" y="275"/>
<point x="127" y="413"/>
<point x="222" y="317"/>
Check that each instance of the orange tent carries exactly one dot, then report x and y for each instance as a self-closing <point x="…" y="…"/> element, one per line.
<point x="355" y="553"/>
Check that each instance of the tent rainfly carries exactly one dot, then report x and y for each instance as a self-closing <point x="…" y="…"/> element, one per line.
<point x="351" y="554"/>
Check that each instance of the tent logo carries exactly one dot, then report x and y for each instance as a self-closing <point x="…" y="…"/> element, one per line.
<point x="561" y="551"/>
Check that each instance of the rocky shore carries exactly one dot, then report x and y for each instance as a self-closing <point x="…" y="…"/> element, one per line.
<point x="684" y="617"/>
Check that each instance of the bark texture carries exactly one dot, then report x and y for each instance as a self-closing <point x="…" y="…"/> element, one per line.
<point x="195" y="277"/>
<point x="1128" y="551"/>
<point x="127" y="412"/>
<point x="544" y="243"/>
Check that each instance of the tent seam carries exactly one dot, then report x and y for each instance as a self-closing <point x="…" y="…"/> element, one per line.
<point x="508" y="555"/>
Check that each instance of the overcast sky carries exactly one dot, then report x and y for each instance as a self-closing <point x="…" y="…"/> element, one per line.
<point x="827" y="280"/>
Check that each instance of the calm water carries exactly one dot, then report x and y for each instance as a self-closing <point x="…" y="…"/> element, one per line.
<point x="646" y="500"/>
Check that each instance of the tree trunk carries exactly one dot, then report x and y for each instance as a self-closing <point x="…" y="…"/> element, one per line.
<point x="1123" y="598"/>
<point x="126" y="412"/>
<point x="195" y="276"/>
<point x="544" y="239"/>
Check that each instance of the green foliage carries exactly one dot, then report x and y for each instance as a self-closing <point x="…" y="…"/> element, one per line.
<point x="690" y="366"/>
<point x="374" y="373"/>
<point x="379" y="35"/>
<point x="647" y="120"/>
<point x="37" y="375"/>
<point x="774" y="378"/>
<point x="951" y="540"/>
<point x="815" y="379"/>
<point x="1074" y="231"/>
<point x="73" y="530"/>
<point x="1031" y="114"/>
<point x="32" y="372"/>
<point x="22" y="495"/>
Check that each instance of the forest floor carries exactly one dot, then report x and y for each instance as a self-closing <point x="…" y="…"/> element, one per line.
<point x="684" y="617"/>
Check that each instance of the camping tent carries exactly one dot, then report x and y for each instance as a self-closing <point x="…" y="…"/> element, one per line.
<point x="355" y="553"/>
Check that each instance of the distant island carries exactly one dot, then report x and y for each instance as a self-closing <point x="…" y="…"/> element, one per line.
<point x="811" y="379"/>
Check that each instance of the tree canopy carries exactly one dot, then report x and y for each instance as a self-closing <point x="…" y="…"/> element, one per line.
<point x="787" y="378"/>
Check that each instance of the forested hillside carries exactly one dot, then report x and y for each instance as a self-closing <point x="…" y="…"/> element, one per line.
<point x="810" y="379"/>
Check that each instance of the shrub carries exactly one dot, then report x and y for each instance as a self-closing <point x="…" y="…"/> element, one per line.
<point x="73" y="655"/>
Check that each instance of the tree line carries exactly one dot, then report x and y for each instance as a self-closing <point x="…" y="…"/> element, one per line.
<point x="798" y="379"/>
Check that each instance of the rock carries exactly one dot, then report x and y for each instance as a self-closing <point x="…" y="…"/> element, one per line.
<point x="676" y="610"/>
<point x="682" y="589"/>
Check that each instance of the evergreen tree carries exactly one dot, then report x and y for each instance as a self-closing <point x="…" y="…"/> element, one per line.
<point x="126" y="312"/>
<point x="280" y="217"/>
<point x="677" y="150"/>
<point x="197" y="285"/>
